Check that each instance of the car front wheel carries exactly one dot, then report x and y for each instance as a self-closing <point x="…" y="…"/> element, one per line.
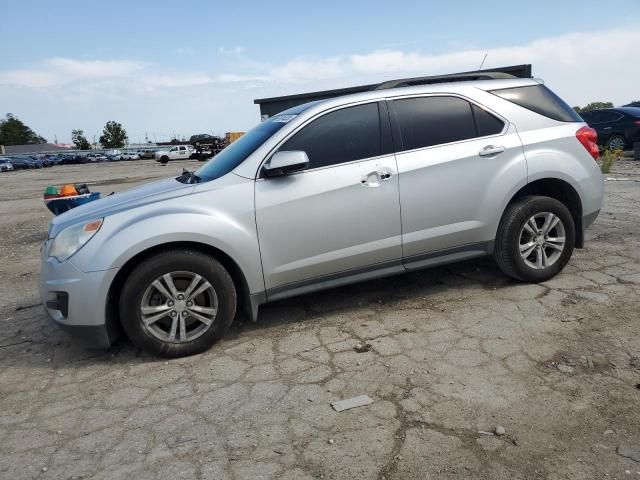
<point x="177" y="303"/>
<point x="535" y="239"/>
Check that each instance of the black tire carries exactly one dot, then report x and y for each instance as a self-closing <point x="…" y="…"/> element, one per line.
<point x="507" y="246"/>
<point x="616" y="138"/>
<point x="164" y="159"/>
<point x="178" y="260"/>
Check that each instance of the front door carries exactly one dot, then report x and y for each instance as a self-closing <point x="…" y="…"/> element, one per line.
<point x="339" y="220"/>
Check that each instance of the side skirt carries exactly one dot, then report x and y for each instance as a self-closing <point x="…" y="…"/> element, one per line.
<point x="430" y="259"/>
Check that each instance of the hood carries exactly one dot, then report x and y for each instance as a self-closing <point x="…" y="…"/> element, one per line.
<point x="142" y="195"/>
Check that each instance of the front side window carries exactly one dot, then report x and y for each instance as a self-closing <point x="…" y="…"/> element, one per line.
<point x="428" y="121"/>
<point x="345" y="135"/>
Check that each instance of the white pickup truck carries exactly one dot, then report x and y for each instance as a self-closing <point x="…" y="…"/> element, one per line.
<point x="179" y="152"/>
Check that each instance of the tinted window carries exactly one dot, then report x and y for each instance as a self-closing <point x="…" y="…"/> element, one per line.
<point x="610" y="117"/>
<point x="587" y="116"/>
<point x="345" y="135"/>
<point x="486" y="123"/>
<point x="540" y="99"/>
<point x="427" y="121"/>
<point x="596" y="117"/>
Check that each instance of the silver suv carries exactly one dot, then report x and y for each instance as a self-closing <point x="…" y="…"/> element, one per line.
<point x="324" y="194"/>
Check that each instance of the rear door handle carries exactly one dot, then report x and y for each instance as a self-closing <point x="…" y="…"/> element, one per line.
<point x="490" y="150"/>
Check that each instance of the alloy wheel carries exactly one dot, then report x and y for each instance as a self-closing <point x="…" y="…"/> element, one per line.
<point x="179" y="307"/>
<point x="542" y="240"/>
<point x="616" y="143"/>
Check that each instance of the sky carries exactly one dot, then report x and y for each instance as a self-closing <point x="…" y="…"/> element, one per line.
<point x="181" y="68"/>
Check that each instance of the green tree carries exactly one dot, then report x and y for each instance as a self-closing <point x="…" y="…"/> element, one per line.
<point x="79" y="140"/>
<point x="593" y="106"/>
<point x="635" y="103"/>
<point x="113" y="135"/>
<point x="14" y="132"/>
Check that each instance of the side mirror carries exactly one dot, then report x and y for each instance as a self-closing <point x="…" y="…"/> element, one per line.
<point x="282" y="163"/>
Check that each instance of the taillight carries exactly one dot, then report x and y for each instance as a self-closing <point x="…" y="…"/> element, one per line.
<point x="588" y="137"/>
<point x="636" y="122"/>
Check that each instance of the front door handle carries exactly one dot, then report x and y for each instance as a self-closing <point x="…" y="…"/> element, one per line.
<point x="490" y="150"/>
<point x="376" y="177"/>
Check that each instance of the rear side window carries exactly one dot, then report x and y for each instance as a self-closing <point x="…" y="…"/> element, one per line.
<point x="428" y="121"/>
<point x="539" y="99"/>
<point x="486" y="123"/>
<point x="349" y="134"/>
<point x="610" y="117"/>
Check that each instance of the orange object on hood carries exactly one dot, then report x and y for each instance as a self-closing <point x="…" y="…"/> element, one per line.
<point x="68" y="191"/>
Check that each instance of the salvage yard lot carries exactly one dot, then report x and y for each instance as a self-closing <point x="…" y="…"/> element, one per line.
<point x="454" y="351"/>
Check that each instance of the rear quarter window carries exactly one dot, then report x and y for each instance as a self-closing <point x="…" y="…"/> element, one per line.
<point x="539" y="99"/>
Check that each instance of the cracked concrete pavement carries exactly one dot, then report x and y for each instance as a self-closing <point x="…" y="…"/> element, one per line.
<point x="454" y="351"/>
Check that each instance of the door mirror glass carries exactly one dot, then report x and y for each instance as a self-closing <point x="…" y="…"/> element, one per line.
<point x="282" y="163"/>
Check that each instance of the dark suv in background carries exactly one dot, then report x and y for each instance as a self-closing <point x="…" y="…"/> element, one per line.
<point x="618" y="128"/>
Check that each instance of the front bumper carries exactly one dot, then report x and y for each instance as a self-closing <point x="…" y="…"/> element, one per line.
<point x="587" y="220"/>
<point x="77" y="300"/>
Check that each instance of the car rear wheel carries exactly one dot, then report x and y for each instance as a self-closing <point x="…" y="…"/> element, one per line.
<point x="616" y="143"/>
<point x="177" y="303"/>
<point x="535" y="239"/>
<point x="164" y="159"/>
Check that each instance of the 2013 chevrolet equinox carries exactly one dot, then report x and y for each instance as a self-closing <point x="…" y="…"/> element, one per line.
<point x="324" y="194"/>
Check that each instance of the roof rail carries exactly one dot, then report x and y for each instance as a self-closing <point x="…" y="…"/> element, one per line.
<point x="453" y="77"/>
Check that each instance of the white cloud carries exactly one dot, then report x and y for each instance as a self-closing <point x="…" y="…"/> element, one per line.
<point x="58" y="71"/>
<point x="238" y="50"/>
<point x="302" y="70"/>
<point x="176" y="80"/>
<point x="59" y="94"/>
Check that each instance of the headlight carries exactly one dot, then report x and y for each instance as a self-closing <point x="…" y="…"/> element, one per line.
<point x="72" y="238"/>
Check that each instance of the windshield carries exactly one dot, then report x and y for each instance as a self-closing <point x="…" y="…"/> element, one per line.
<point x="238" y="151"/>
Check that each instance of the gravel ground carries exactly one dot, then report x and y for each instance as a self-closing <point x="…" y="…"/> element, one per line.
<point x="454" y="352"/>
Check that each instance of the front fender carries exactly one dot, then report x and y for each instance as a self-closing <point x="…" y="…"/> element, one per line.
<point x="223" y="219"/>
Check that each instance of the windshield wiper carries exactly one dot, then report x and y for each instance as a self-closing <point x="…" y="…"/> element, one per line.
<point x="188" y="177"/>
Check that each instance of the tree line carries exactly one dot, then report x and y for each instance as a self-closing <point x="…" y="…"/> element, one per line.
<point x="14" y="131"/>
<point x="599" y="105"/>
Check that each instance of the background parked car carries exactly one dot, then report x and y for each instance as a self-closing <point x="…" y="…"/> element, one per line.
<point x="54" y="159"/>
<point x="96" y="157"/>
<point x="618" y="128"/>
<point x="73" y="159"/>
<point x="5" y="164"/>
<point x="41" y="159"/>
<point x="20" y="163"/>
<point x="179" y="152"/>
<point x="147" y="153"/>
<point x="129" y="156"/>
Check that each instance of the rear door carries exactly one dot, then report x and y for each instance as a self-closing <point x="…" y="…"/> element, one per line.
<point x="338" y="220"/>
<point x="457" y="163"/>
